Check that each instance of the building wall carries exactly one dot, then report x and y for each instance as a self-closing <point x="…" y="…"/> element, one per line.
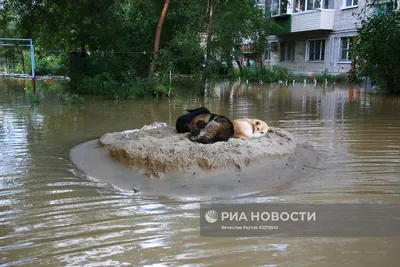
<point x="344" y="25"/>
<point x="299" y="63"/>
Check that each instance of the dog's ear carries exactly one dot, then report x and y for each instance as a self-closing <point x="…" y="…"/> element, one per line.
<point x="190" y="110"/>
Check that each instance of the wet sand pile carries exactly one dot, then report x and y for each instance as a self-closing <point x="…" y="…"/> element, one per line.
<point x="159" y="149"/>
<point x="223" y="169"/>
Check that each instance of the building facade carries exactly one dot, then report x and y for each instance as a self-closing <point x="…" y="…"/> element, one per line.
<point x="315" y="35"/>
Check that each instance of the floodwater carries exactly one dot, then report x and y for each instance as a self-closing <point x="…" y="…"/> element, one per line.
<point x="51" y="214"/>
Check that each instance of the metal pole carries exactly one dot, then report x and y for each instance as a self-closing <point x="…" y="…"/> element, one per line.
<point x="33" y="67"/>
<point x="34" y="117"/>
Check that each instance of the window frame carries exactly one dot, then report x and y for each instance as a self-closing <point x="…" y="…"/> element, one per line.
<point x="348" y="48"/>
<point x="322" y="5"/>
<point x="287" y="56"/>
<point x="384" y="7"/>
<point x="353" y="4"/>
<point x="267" y="54"/>
<point x="321" y="52"/>
<point x="280" y="8"/>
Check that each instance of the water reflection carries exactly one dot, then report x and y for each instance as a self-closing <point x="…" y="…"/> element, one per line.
<point x="52" y="214"/>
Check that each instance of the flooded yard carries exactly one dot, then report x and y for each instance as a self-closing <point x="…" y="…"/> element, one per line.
<point x="53" y="214"/>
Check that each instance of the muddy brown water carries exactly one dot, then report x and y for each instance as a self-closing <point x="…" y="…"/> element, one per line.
<point x="51" y="214"/>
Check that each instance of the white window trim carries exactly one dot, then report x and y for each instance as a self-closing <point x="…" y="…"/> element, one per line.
<point x="267" y="55"/>
<point x="322" y="4"/>
<point x="344" y="7"/>
<point x="307" y="11"/>
<point x="307" y="50"/>
<point x="343" y="61"/>
<point x="348" y="7"/>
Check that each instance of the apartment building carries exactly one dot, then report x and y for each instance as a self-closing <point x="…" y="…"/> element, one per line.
<point x="315" y="35"/>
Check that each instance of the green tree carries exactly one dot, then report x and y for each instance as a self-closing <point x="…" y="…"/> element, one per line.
<point x="232" y="22"/>
<point x="115" y="39"/>
<point x="377" y="50"/>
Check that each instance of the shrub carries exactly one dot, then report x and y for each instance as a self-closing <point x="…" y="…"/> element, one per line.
<point x="354" y="77"/>
<point x="377" y="49"/>
<point x="249" y="74"/>
<point x="52" y="65"/>
<point x="282" y="73"/>
<point x="127" y="88"/>
<point x="34" y="99"/>
<point x="325" y="76"/>
<point x="266" y="74"/>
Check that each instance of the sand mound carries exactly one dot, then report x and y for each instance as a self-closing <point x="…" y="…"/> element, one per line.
<point x="159" y="149"/>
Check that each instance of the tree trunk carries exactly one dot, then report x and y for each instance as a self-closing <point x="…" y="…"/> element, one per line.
<point x="157" y="40"/>
<point x="239" y="65"/>
<point x="83" y="47"/>
<point x="237" y="59"/>
<point x="208" y="55"/>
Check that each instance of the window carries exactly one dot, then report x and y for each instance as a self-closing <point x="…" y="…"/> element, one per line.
<point x="276" y="7"/>
<point x="287" y="51"/>
<point x="313" y="4"/>
<point x="345" y="47"/>
<point x="267" y="55"/>
<point x="351" y="3"/>
<point x="328" y="4"/>
<point x="273" y="46"/>
<point x="260" y="4"/>
<point x="316" y="50"/>
<point x="305" y="5"/>
<point x="384" y="8"/>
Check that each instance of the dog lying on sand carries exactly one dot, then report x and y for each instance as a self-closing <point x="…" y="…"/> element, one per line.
<point x="207" y="128"/>
<point x="250" y="128"/>
<point x="210" y="128"/>
<point x="182" y="123"/>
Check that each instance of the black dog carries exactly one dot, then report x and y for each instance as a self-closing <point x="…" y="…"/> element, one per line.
<point x="182" y="123"/>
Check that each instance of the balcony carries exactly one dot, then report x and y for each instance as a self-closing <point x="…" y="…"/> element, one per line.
<point x="301" y="15"/>
<point x="318" y="19"/>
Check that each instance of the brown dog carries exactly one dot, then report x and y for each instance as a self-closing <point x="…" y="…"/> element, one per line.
<point x="210" y="128"/>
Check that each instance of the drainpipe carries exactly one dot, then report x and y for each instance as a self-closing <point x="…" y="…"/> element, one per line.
<point x="334" y="55"/>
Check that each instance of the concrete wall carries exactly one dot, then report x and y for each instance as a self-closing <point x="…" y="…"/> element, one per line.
<point x="344" y="25"/>
<point x="299" y="63"/>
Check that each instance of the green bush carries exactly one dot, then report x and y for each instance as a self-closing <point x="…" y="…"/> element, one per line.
<point x="377" y="49"/>
<point x="52" y="65"/>
<point x="34" y="99"/>
<point x="282" y="73"/>
<point x="325" y="76"/>
<point x="265" y="74"/>
<point x="354" y="77"/>
<point x="128" y="88"/>
<point x="249" y="74"/>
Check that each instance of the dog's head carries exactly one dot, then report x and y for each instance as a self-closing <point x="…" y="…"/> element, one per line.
<point x="198" y="123"/>
<point x="260" y="128"/>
